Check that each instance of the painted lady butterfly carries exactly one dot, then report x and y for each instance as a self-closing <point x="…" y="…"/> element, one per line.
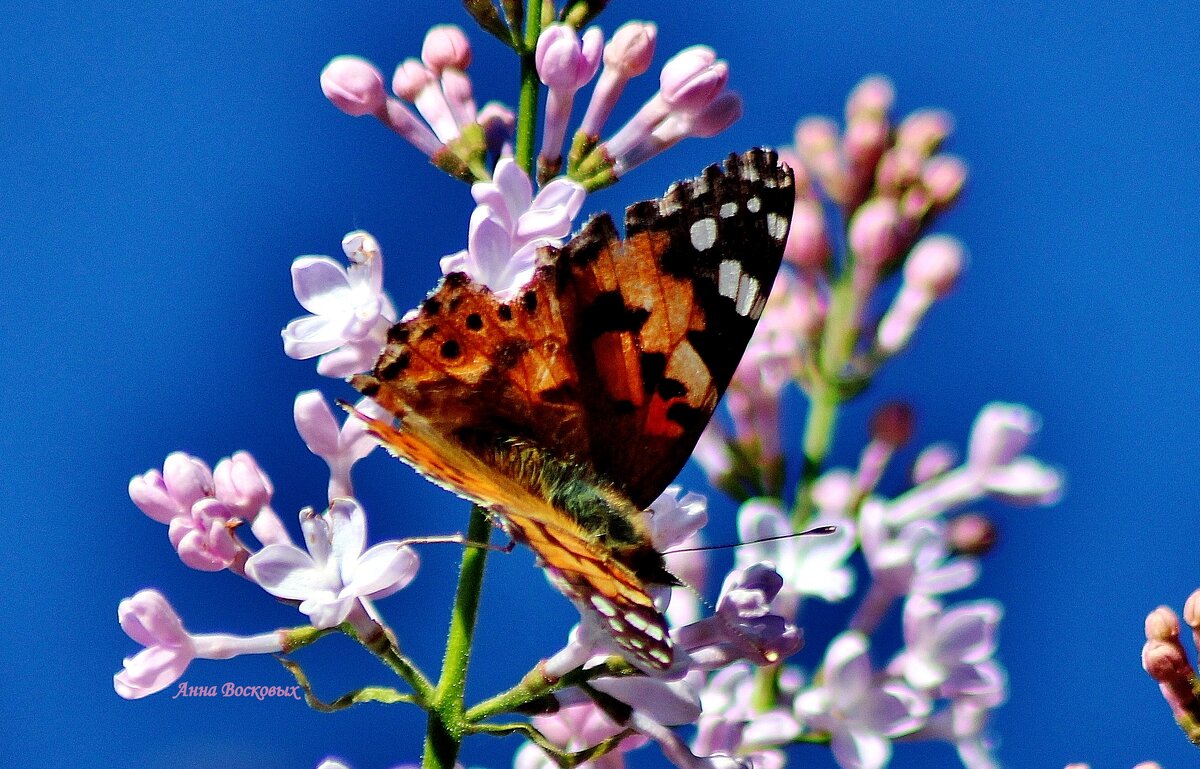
<point x="566" y="411"/>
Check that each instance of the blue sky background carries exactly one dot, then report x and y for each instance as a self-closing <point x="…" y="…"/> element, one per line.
<point x="162" y="163"/>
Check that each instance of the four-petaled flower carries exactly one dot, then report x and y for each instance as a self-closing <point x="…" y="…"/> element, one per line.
<point x="509" y="225"/>
<point x="336" y="573"/>
<point x="350" y="312"/>
<point x="860" y="712"/>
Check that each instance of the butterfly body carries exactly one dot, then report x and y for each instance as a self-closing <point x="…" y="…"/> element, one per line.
<point x="567" y="409"/>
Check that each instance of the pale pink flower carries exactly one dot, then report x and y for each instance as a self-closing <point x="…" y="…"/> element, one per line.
<point x="246" y="490"/>
<point x="627" y="55"/>
<point x="731" y="722"/>
<point x="930" y="272"/>
<point x="810" y="566"/>
<point x="340" y="447"/>
<point x="860" y="712"/>
<point x="355" y="86"/>
<point x="949" y="653"/>
<point x="337" y="572"/>
<point x="744" y="626"/>
<point x="150" y="620"/>
<point x="576" y="727"/>
<point x="964" y="724"/>
<point x="509" y="225"/>
<point x="203" y="537"/>
<point x="446" y="46"/>
<point x="350" y="311"/>
<point x="691" y="82"/>
<point x="417" y="84"/>
<point x="169" y="494"/>
<point x="565" y="63"/>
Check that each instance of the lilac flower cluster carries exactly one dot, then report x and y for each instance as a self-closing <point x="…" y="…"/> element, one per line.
<point x="692" y="101"/>
<point x="734" y="675"/>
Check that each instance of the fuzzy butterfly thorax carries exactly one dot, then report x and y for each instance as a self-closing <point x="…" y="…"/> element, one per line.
<point x="567" y="410"/>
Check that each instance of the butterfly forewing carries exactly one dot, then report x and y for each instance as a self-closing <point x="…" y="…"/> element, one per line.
<point x="611" y="359"/>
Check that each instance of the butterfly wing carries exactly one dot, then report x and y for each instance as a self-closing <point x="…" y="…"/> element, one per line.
<point x="616" y="353"/>
<point x="585" y="572"/>
<point x="661" y="319"/>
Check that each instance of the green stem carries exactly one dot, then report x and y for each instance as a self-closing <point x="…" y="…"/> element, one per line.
<point x="447" y="722"/>
<point x="825" y="396"/>
<point x="527" y="107"/>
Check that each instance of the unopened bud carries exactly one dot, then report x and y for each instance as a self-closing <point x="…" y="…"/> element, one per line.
<point x="353" y="85"/>
<point x="631" y="48"/>
<point x="943" y="178"/>
<point x="971" y="534"/>
<point x="924" y="131"/>
<point x="874" y="232"/>
<point x="446" y="47"/>
<point x="893" y="423"/>
<point x="872" y="97"/>
<point x="935" y="264"/>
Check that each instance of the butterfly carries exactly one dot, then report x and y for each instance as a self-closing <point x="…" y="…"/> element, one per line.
<point x="568" y="409"/>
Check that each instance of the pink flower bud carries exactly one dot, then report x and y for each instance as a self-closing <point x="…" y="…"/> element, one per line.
<point x="354" y="85"/>
<point x="187" y="478"/>
<point x="203" y="539"/>
<point x="971" y="534"/>
<point x="410" y="79"/>
<point x="817" y="143"/>
<point x="875" y="232"/>
<point x="807" y="246"/>
<point x="873" y="97"/>
<point x="722" y="112"/>
<point x="924" y="131"/>
<point x="564" y="62"/>
<point x="893" y="423"/>
<point x="414" y="83"/>
<point x="446" y="47"/>
<point x="498" y="123"/>
<point x="943" y="177"/>
<point x="149" y="492"/>
<point x="935" y="460"/>
<point x="631" y="49"/>
<point x="692" y="78"/>
<point x="242" y="485"/>
<point x="935" y="264"/>
<point x="459" y="95"/>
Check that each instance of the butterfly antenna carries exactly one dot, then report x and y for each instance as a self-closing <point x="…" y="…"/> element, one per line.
<point x="819" y="531"/>
<point x="458" y="539"/>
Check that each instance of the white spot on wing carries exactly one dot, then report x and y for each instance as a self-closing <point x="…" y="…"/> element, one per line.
<point x="636" y="621"/>
<point x="704" y="233"/>
<point x="747" y="294"/>
<point x="700" y="185"/>
<point x="777" y="226"/>
<point x="655" y="632"/>
<point x="660" y="656"/>
<point x="728" y="276"/>
<point x="759" y="305"/>
<point x="669" y="204"/>
<point x="751" y="172"/>
<point x="604" y="606"/>
<point x="754" y="204"/>
<point x="728" y="210"/>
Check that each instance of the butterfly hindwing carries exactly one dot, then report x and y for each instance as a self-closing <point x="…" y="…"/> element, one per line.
<point x="587" y="573"/>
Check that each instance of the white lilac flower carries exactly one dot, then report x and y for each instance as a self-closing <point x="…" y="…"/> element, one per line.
<point x="860" y="712"/>
<point x="731" y="724"/>
<point x="509" y="225"/>
<point x="963" y="723"/>
<point x="950" y="652"/>
<point x="350" y="312"/>
<point x="336" y="573"/>
<point x="812" y="565"/>
<point x="150" y="620"/>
